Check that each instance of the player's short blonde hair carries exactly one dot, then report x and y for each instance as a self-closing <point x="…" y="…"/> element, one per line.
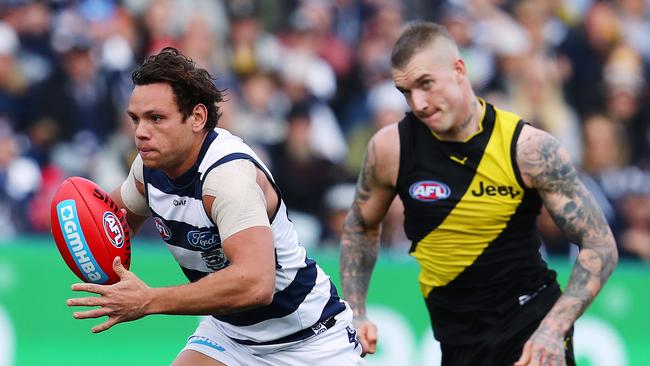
<point x="414" y="37"/>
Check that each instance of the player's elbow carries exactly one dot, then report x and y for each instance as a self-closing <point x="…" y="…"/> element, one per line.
<point x="608" y="255"/>
<point x="264" y="298"/>
<point x="614" y="258"/>
<point x="261" y="293"/>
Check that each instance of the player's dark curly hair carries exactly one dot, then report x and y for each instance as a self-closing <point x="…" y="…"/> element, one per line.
<point x="191" y="84"/>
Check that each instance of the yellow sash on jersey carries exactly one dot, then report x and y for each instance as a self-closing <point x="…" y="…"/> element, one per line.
<point x="481" y="215"/>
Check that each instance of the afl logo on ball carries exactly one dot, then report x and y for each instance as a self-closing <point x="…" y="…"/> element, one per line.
<point x="429" y="191"/>
<point x="163" y="230"/>
<point x="113" y="229"/>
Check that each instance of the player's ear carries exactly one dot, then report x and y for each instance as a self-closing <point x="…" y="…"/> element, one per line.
<point x="460" y="71"/>
<point x="199" y="117"/>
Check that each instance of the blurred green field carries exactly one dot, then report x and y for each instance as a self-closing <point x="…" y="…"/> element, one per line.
<point x="37" y="328"/>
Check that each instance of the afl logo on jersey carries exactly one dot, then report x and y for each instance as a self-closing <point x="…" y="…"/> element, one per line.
<point x="113" y="229"/>
<point x="429" y="191"/>
<point x="163" y="230"/>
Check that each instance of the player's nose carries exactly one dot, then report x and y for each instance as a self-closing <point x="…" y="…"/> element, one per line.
<point x="141" y="131"/>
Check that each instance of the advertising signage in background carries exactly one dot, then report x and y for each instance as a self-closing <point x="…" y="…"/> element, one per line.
<point x="37" y="328"/>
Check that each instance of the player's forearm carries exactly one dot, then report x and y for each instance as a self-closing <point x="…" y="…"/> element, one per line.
<point x="582" y="221"/>
<point x="359" y="251"/>
<point x="592" y="268"/>
<point x="230" y="290"/>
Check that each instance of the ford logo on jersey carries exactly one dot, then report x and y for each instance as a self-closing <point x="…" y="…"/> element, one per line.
<point x="203" y="239"/>
<point x="429" y="191"/>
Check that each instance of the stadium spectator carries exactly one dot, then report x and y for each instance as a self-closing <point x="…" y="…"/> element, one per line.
<point x="13" y="83"/>
<point x="32" y="21"/>
<point x="159" y="28"/>
<point x="635" y="25"/>
<point x="338" y="199"/>
<point x="20" y="179"/>
<point x="535" y="91"/>
<point x="79" y="99"/>
<point x="306" y="79"/>
<point x="586" y="48"/>
<point x="626" y="93"/>
<point x="635" y="236"/>
<point x="312" y="21"/>
<point x="200" y="44"/>
<point x="110" y="165"/>
<point x="606" y="146"/>
<point x="260" y="110"/>
<point x="377" y="37"/>
<point x="481" y="63"/>
<point x="252" y="48"/>
<point x="472" y="179"/>
<point x="302" y="173"/>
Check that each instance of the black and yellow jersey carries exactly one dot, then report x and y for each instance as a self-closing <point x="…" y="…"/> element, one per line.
<point x="471" y="221"/>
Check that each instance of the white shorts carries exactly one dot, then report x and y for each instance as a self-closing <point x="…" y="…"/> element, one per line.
<point x="337" y="345"/>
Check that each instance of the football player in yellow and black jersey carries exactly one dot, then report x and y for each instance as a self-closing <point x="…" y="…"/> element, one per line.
<point x="473" y="178"/>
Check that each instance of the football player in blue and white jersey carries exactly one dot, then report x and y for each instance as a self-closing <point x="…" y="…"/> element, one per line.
<point x="218" y="210"/>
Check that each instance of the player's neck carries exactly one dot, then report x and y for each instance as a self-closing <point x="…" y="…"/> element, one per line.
<point x="470" y="125"/>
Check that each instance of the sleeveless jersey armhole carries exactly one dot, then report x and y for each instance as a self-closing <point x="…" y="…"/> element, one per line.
<point x="405" y="150"/>
<point x="513" y="153"/>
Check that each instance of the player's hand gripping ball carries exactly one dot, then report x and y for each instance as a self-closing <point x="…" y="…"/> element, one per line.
<point x="90" y="230"/>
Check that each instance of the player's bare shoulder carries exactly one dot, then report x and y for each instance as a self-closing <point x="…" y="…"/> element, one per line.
<point x="383" y="155"/>
<point x="542" y="160"/>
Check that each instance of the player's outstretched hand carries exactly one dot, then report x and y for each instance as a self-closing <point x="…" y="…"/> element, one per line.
<point x="123" y="301"/>
<point x="367" y="333"/>
<point x="544" y="347"/>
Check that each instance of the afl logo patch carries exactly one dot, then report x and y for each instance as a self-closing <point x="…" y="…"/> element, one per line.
<point x="113" y="229"/>
<point x="163" y="230"/>
<point x="429" y="191"/>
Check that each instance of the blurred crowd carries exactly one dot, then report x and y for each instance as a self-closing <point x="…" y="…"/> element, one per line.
<point x="307" y="82"/>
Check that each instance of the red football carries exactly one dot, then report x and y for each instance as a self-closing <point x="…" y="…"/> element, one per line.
<point x="89" y="230"/>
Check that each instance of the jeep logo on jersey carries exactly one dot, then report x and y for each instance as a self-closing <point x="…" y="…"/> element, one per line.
<point x="490" y="190"/>
<point x="163" y="230"/>
<point x="429" y="191"/>
<point x="203" y="239"/>
<point x="113" y="229"/>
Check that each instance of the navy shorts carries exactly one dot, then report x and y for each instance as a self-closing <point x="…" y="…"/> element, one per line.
<point x="502" y="343"/>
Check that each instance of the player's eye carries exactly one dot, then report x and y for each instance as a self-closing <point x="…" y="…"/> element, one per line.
<point x="426" y="84"/>
<point x="156" y="118"/>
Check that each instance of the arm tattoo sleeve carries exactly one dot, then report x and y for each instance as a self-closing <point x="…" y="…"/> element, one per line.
<point x="360" y="242"/>
<point x="577" y="214"/>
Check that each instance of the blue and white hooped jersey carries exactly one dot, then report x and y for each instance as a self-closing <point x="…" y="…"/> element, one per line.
<point x="304" y="294"/>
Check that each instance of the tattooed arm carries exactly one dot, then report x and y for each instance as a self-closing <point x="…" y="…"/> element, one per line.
<point x="361" y="230"/>
<point x="546" y="166"/>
